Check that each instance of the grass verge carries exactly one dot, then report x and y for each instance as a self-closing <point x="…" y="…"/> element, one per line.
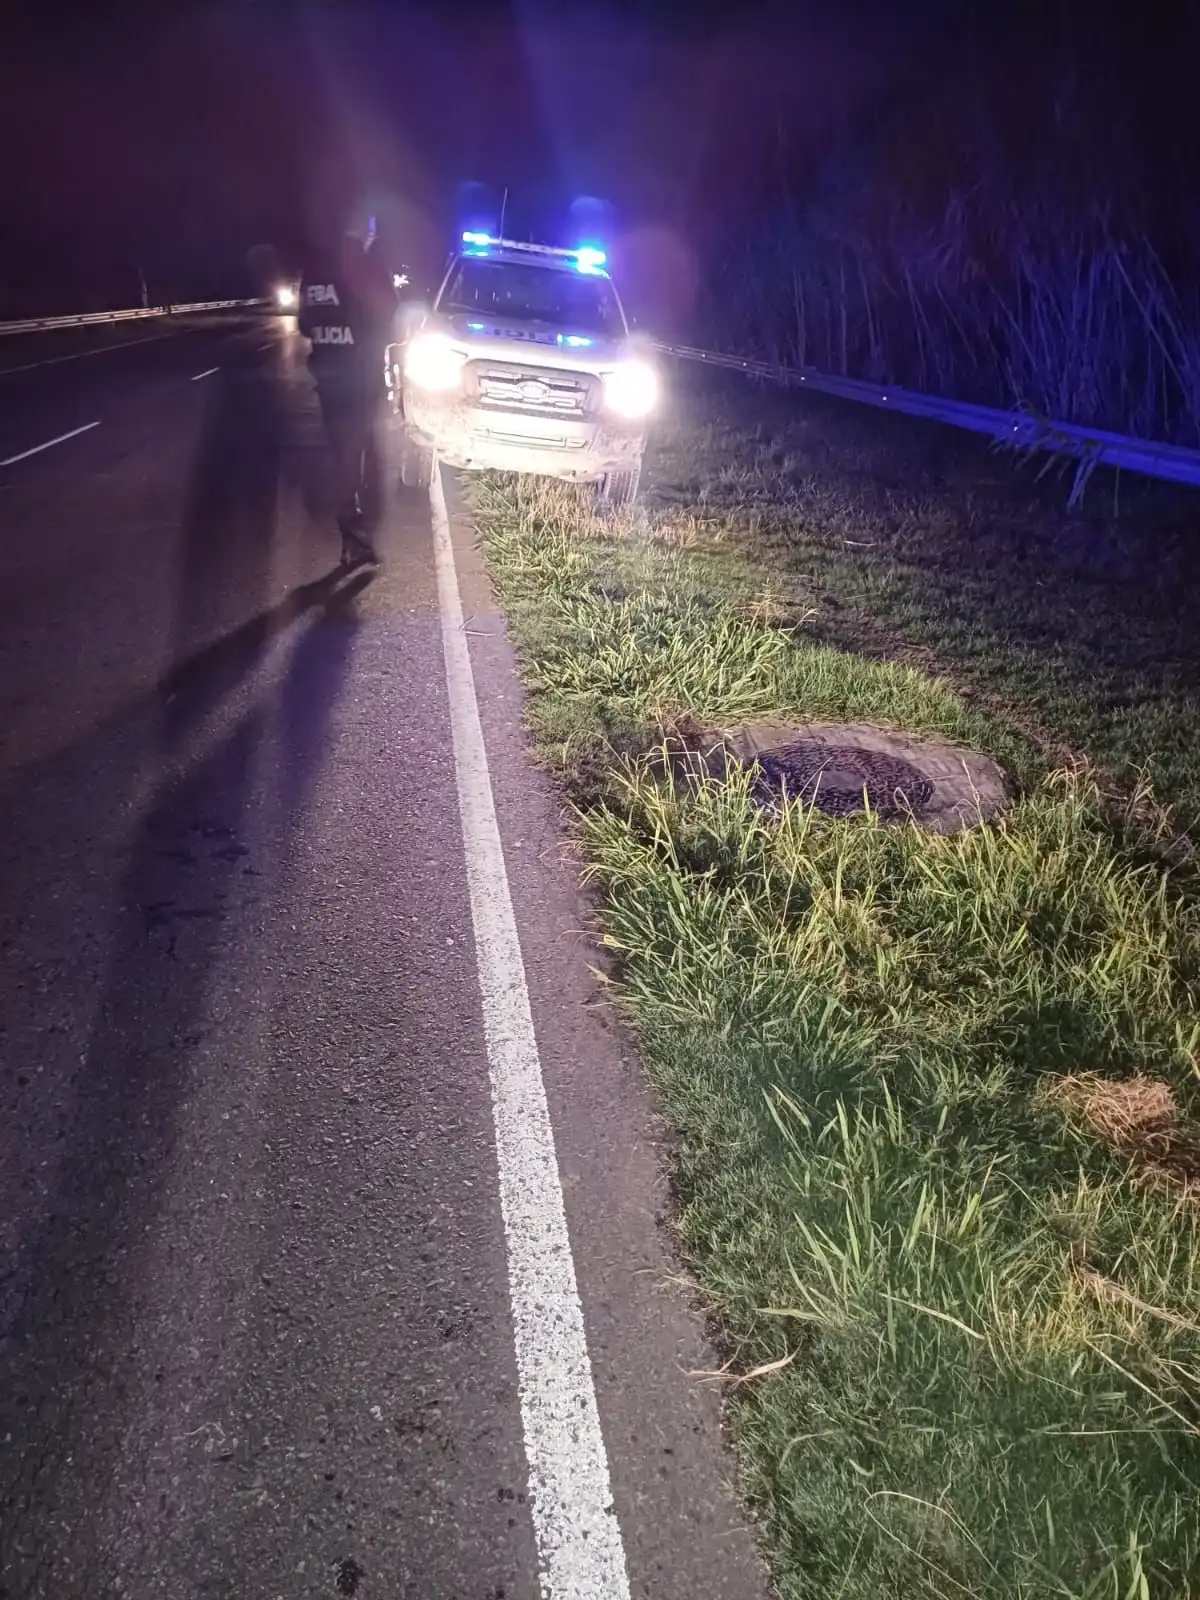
<point x="916" y="542"/>
<point x="935" y="1099"/>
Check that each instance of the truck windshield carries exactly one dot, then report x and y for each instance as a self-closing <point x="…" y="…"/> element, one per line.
<point x="535" y="294"/>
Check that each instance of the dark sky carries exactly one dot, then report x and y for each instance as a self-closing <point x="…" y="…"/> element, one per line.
<point x="207" y="127"/>
<point x="190" y="131"/>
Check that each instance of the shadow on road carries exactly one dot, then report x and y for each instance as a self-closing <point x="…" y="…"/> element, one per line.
<point x="81" y="1297"/>
<point x="200" y="683"/>
<point x="229" y="532"/>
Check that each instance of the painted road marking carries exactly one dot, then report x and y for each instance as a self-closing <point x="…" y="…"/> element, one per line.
<point x="49" y="444"/>
<point x="206" y="374"/>
<point x="580" y="1553"/>
<point x="78" y="355"/>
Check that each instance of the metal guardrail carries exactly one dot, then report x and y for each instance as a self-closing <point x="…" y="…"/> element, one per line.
<point x="1021" y="430"/>
<point x="89" y="319"/>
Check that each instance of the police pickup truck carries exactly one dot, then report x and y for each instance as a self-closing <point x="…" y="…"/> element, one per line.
<point x="526" y="363"/>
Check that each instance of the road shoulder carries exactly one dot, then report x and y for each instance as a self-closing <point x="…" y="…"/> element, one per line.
<point x="683" y="1531"/>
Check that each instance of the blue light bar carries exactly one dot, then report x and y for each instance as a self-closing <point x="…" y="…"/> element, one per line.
<point x="586" y="258"/>
<point x="574" y="341"/>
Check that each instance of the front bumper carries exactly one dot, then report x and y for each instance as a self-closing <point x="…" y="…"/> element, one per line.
<point x="480" y="438"/>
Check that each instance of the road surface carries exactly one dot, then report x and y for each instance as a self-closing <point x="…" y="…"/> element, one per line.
<point x="278" y="1256"/>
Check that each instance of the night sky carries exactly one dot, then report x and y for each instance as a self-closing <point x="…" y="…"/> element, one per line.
<point x="179" y="137"/>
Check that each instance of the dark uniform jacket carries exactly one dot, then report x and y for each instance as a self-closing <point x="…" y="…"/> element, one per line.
<point x="347" y="307"/>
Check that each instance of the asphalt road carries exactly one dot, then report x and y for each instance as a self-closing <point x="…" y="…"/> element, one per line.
<point x="256" y="1336"/>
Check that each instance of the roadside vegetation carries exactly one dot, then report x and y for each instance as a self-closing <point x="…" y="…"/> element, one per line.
<point x="935" y="1100"/>
<point x="1015" y="246"/>
<point x="911" y="541"/>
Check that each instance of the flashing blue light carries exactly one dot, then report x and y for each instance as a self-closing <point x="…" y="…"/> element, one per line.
<point x="589" y="259"/>
<point x="574" y="341"/>
<point x="472" y="237"/>
<point x="477" y="327"/>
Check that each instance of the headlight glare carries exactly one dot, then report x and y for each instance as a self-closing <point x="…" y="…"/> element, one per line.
<point x="631" y="390"/>
<point x="432" y="362"/>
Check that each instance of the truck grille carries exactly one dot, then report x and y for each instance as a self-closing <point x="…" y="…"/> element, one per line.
<point x="521" y="388"/>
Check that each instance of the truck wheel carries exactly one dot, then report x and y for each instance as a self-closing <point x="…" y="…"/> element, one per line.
<point x="416" y="464"/>
<point x="619" y="488"/>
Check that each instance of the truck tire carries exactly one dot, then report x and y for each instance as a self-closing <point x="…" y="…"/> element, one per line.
<point x="416" y="464"/>
<point x="619" y="488"/>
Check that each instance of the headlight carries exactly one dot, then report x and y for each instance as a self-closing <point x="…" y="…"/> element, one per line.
<point x="432" y="362"/>
<point x="631" y="390"/>
<point x="285" y="297"/>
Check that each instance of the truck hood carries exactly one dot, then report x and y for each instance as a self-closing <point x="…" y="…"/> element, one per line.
<point x="548" y="345"/>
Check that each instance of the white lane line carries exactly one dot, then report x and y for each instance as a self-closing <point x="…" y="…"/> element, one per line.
<point x="207" y="373"/>
<point x="579" y="1542"/>
<point x="79" y="355"/>
<point x="11" y="461"/>
<point x="263" y="347"/>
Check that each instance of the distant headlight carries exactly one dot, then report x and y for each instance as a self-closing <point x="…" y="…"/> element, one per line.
<point x="631" y="390"/>
<point x="285" y="297"/>
<point x="432" y="362"/>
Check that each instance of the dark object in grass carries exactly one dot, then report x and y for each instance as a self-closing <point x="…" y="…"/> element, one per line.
<point x="852" y="767"/>
<point x="838" y="779"/>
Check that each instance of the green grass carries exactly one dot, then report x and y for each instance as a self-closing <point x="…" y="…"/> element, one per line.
<point x="980" y="1319"/>
<point x="914" y="541"/>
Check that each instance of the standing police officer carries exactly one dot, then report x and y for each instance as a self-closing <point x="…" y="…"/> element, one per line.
<point x="347" y="307"/>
